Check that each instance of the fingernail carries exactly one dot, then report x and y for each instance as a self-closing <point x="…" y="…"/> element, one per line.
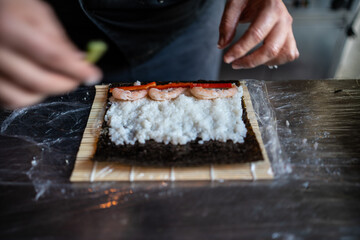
<point x="229" y="59"/>
<point x="93" y="80"/>
<point x="236" y="67"/>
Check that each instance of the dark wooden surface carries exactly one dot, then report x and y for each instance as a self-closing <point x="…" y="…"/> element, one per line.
<point x="319" y="129"/>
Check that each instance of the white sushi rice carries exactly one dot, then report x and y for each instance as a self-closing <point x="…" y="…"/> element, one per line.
<point x="178" y="121"/>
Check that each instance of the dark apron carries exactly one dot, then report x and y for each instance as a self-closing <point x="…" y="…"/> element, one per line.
<point x="140" y="28"/>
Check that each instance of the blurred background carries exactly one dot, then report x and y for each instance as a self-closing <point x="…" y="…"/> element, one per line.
<point x="327" y="34"/>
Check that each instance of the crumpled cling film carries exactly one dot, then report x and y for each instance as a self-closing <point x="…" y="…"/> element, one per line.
<point x="267" y="124"/>
<point x="44" y="139"/>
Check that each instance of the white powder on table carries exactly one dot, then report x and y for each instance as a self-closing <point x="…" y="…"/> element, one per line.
<point x="178" y="121"/>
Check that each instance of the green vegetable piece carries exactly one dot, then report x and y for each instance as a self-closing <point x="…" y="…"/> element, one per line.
<point x="95" y="50"/>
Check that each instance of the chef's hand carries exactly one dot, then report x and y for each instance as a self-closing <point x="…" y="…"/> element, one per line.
<point x="271" y="24"/>
<point x="36" y="57"/>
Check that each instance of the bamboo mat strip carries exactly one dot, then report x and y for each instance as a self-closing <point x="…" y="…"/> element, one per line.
<point x="85" y="170"/>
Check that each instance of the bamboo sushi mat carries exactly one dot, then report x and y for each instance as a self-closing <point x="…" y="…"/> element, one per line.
<point x="86" y="170"/>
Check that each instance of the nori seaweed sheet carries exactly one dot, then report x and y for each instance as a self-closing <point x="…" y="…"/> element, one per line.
<point x="191" y="154"/>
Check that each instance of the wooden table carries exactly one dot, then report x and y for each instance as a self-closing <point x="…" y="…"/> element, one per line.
<point x="318" y="126"/>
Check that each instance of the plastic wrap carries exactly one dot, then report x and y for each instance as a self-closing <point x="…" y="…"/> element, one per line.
<point x="54" y="130"/>
<point x="43" y="140"/>
<point x="268" y="127"/>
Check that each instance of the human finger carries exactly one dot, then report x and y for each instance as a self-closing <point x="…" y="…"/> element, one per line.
<point x="45" y="19"/>
<point x="28" y="75"/>
<point x="53" y="28"/>
<point x="13" y="96"/>
<point x="269" y="50"/>
<point x="288" y="53"/>
<point x="229" y="22"/>
<point x="56" y="54"/>
<point x="256" y="33"/>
